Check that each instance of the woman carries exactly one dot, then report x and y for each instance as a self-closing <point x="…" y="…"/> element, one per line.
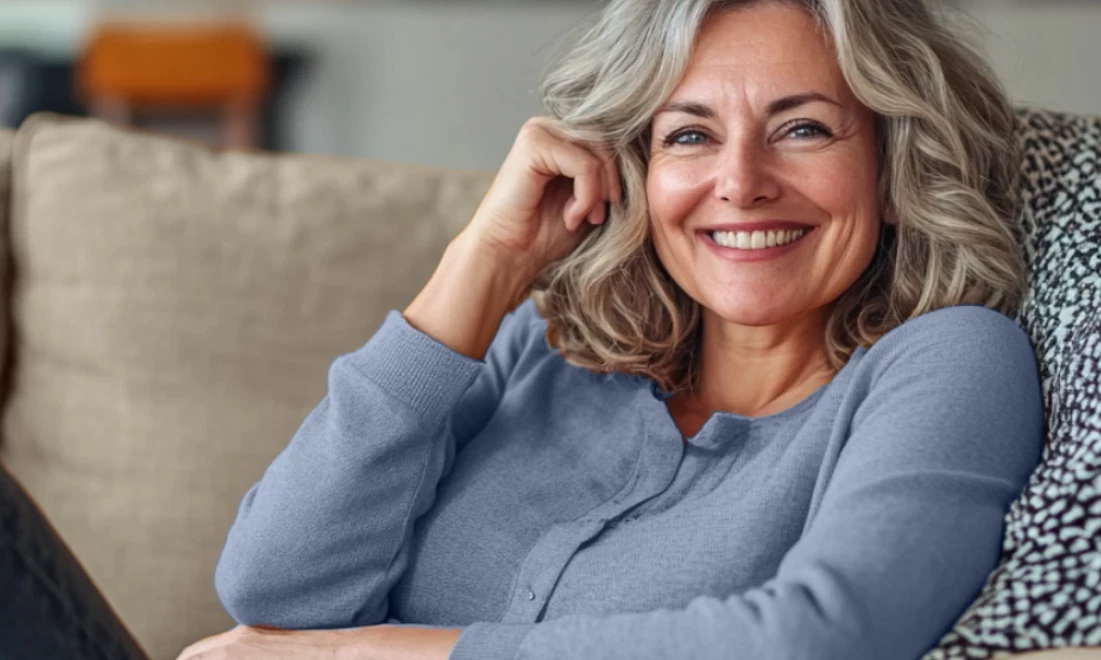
<point x="762" y="403"/>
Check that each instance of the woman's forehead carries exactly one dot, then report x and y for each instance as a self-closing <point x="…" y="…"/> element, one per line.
<point x="761" y="52"/>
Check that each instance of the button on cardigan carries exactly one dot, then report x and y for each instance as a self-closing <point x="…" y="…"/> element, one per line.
<point x="553" y="512"/>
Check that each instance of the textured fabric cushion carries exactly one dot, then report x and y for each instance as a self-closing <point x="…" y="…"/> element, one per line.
<point x="176" y="312"/>
<point x="1046" y="592"/>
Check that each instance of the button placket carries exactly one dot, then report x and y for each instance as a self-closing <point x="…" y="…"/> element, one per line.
<point x="653" y="470"/>
<point x="538" y="574"/>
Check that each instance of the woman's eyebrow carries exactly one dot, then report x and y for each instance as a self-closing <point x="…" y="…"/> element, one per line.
<point x="796" y="100"/>
<point x="689" y="108"/>
<point x="779" y="105"/>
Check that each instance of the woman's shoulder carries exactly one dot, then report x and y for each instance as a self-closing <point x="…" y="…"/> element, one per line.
<point x="955" y="328"/>
<point x="527" y="313"/>
<point x="522" y="332"/>
<point x="524" y="321"/>
<point x="967" y="369"/>
<point x="959" y="341"/>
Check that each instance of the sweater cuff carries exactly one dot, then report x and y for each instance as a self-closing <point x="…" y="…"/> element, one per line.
<point x="490" y="641"/>
<point x="414" y="367"/>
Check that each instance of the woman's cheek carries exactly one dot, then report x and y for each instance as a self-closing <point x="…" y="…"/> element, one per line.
<point x="674" y="189"/>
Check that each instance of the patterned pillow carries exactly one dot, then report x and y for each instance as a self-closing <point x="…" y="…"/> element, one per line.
<point x="1046" y="592"/>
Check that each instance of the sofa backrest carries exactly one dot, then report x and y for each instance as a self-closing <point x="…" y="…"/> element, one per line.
<point x="175" y="312"/>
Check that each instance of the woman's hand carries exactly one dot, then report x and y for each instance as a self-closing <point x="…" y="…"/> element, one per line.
<point x="381" y="642"/>
<point x="546" y="188"/>
<point x="256" y="643"/>
<point x="528" y="219"/>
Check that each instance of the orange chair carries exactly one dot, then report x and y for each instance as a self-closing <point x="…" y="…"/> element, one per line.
<point x="139" y="68"/>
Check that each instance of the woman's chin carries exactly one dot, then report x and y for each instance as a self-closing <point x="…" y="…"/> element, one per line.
<point x="750" y="313"/>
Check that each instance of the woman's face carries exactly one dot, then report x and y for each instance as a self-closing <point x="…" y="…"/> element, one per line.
<point x="763" y="139"/>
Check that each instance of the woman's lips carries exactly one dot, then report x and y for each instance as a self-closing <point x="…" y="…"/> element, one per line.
<point x="761" y="254"/>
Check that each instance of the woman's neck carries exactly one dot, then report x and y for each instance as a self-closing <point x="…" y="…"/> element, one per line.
<point x="757" y="371"/>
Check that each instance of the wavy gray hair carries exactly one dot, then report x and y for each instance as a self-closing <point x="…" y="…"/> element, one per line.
<point x="948" y="165"/>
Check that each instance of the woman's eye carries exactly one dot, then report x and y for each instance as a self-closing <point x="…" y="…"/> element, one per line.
<point x="808" y="130"/>
<point x="675" y="138"/>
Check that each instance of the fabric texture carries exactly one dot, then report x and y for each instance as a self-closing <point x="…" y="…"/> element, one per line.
<point x="175" y="311"/>
<point x="1046" y="592"/>
<point x="557" y="513"/>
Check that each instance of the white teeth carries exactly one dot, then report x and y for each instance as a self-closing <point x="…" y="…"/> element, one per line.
<point x="757" y="240"/>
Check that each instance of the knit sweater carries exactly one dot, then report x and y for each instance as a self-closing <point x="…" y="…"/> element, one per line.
<point x="553" y="512"/>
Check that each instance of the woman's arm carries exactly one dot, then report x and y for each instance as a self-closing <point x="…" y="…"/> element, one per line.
<point x="378" y="643"/>
<point x="390" y="643"/>
<point x="321" y="539"/>
<point x="908" y="530"/>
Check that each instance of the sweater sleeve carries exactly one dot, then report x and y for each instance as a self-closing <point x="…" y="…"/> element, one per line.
<point x="909" y="527"/>
<point x="321" y="539"/>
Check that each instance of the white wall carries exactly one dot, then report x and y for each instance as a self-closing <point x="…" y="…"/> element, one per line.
<point x="1047" y="52"/>
<point x="431" y="83"/>
<point x="448" y="83"/>
<point x="435" y="82"/>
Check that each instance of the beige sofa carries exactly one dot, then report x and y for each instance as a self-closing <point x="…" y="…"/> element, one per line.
<point x="172" y="315"/>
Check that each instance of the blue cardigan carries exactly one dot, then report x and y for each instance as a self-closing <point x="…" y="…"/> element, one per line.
<point x="552" y="512"/>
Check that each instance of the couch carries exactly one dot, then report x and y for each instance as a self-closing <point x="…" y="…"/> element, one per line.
<point x="171" y="313"/>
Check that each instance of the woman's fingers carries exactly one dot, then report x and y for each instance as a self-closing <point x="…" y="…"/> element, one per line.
<point x="610" y="188"/>
<point x="600" y="214"/>
<point x="611" y="178"/>
<point x="587" y="172"/>
<point x="593" y="171"/>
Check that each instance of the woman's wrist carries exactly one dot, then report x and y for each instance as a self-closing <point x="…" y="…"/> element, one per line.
<point x="386" y="642"/>
<point x="467" y="297"/>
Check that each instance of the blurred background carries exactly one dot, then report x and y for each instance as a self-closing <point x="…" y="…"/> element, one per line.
<point x="433" y="82"/>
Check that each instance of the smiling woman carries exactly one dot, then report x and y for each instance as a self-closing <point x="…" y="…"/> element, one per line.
<point x="763" y="401"/>
<point x="867" y="125"/>
<point x="763" y="134"/>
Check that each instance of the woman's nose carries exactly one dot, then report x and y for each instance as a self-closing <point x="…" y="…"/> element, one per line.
<point x="742" y="175"/>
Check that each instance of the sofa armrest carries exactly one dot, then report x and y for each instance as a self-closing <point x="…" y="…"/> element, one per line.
<point x="1068" y="653"/>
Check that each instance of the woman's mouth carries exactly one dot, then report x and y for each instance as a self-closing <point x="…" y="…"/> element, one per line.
<point x="755" y="245"/>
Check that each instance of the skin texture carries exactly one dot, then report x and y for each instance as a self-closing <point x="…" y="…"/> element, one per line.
<point x="815" y="162"/>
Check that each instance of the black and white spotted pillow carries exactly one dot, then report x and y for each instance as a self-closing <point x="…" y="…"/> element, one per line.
<point x="1046" y="592"/>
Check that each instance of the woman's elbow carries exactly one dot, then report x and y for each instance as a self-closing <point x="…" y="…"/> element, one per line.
<point x="238" y="595"/>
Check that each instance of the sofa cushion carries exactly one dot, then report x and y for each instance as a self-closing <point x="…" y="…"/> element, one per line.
<point x="1046" y="592"/>
<point x="175" y="313"/>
